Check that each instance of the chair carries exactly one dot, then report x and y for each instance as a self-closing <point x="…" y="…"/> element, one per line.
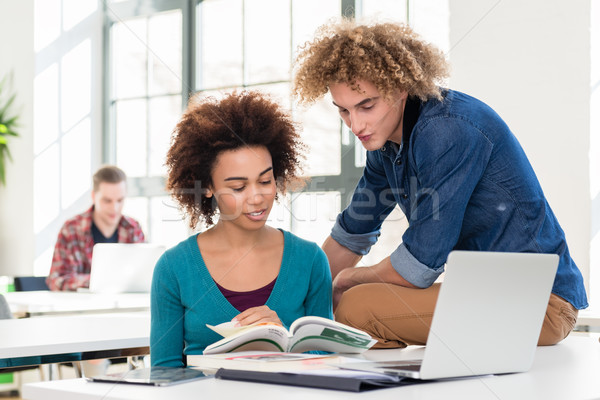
<point x="5" y="312"/>
<point x="29" y="283"/>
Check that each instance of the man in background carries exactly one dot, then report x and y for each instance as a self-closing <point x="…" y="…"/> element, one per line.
<point x="102" y="223"/>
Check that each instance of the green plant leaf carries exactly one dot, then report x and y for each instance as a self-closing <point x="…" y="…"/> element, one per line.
<point x="2" y="174"/>
<point x="8" y="123"/>
<point x="6" y="106"/>
<point x="7" y="151"/>
<point x="11" y="121"/>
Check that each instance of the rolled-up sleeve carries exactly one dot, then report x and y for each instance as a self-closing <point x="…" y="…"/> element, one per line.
<point x="359" y="243"/>
<point x="412" y="269"/>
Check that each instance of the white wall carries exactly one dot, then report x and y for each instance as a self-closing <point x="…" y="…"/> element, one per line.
<point x="595" y="151"/>
<point x="16" y="198"/>
<point x="530" y="61"/>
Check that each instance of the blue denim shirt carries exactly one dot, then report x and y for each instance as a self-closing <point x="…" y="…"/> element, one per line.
<point x="464" y="182"/>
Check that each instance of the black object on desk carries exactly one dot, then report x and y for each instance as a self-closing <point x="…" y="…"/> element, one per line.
<point x="29" y="283"/>
<point x="350" y="384"/>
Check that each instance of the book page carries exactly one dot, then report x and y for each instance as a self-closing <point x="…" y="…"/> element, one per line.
<point x="329" y="338"/>
<point x="228" y="328"/>
<point x="311" y="320"/>
<point x="262" y="337"/>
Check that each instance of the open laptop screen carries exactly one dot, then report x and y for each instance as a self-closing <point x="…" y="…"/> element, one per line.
<point x="123" y="267"/>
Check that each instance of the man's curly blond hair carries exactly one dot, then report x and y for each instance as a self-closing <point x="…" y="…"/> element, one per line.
<point x="389" y="55"/>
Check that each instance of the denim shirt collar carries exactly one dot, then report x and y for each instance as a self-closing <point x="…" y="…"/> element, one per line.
<point x="412" y="109"/>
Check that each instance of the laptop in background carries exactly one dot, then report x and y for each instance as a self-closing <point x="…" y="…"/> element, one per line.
<point x="487" y="319"/>
<point x="123" y="267"/>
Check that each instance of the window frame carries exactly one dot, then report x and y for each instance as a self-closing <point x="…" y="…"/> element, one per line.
<point x="151" y="186"/>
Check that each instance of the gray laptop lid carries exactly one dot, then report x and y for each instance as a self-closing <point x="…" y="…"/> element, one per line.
<point x="487" y="319"/>
<point x="489" y="313"/>
<point x="123" y="267"/>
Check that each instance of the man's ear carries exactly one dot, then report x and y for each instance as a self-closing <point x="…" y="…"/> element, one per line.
<point x="401" y="98"/>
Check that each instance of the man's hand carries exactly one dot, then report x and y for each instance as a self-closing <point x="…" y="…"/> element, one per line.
<point x="256" y="315"/>
<point x="343" y="281"/>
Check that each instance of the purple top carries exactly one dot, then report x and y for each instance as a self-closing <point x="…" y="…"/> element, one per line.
<point x="245" y="300"/>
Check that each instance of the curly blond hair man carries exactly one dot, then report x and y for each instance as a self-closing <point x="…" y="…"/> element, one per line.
<point x="450" y="163"/>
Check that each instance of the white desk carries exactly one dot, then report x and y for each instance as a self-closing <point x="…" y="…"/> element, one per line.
<point x="569" y="370"/>
<point x="45" y="302"/>
<point x="588" y="321"/>
<point x="95" y="336"/>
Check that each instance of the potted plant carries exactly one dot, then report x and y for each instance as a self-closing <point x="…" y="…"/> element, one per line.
<point x="8" y="125"/>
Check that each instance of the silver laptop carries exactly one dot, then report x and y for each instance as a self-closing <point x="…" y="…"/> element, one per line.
<point x="487" y="319"/>
<point x="123" y="267"/>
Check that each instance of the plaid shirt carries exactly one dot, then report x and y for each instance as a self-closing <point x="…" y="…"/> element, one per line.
<point x="72" y="259"/>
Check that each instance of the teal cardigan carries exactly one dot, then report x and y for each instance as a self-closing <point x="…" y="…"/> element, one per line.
<point x="185" y="298"/>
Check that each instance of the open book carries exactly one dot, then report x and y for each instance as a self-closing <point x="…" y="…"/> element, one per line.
<point x="305" y="334"/>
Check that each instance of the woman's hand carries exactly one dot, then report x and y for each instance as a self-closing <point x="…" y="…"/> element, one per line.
<point x="255" y="315"/>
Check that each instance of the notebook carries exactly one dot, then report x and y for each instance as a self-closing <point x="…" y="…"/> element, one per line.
<point x="123" y="267"/>
<point x="352" y="381"/>
<point x="487" y="319"/>
<point x="154" y="376"/>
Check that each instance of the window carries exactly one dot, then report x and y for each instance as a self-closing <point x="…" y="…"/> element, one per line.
<point x="248" y="55"/>
<point x="147" y="88"/>
<point x="66" y="122"/>
<point x="160" y="51"/>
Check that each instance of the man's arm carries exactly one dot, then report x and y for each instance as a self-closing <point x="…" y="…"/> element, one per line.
<point x="339" y="257"/>
<point x="382" y="272"/>
<point x="342" y="261"/>
<point x="68" y="270"/>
